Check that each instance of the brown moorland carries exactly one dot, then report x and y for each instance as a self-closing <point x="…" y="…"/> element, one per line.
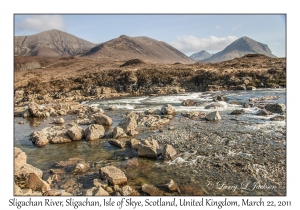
<point x="45" y="79"/>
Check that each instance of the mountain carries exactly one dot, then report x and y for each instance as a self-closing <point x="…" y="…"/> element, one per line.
<point x="51" y="43"/>
<point x="239" y="48"/>
<point x="200" y="55"/>
<point x="144" y="48"/>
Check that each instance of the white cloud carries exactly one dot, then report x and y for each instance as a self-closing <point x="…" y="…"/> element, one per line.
<point x="218" y="27"/>
<point x="40" y="23"/>
<point x="190" y="44"/>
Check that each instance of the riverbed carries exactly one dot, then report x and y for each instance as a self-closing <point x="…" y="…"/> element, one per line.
<point x="239" y="155"/>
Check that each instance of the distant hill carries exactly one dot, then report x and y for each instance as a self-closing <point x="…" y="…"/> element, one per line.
<point x="144" y="48"/>
<point x="51" y="43"/>
<point x="239" y="48"/>
<point x="200" y="55"/>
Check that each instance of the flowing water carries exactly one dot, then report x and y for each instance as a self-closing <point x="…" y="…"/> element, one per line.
<point x="100" y="153"/>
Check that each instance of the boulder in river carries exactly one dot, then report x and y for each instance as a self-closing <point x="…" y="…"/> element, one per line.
<point x="275" y="108"/>
<point x="117" y="143"/>
<point x="103" y="119"/>
<point x="75" y="133"/>
<point x="59" y="121"/>
<point x="188" y="102"/>
<point x="263" y="112"/>
<point x="37" y="184"/>
<point x="172" y="186"/>
<point x="215" y="105"/>
<point x="238" y="111"/>
<point x="152" y="190"/>
<point x="35" y="111"/>
<point x="61" y="137"/>
<point x="168" y="109"/>
<point x="94" y="132"/>
<point x="81" y="168"/>
<point x="113" y="175"/>
<point x="168" y="152"/>
<point x="213" y="116"/>
<point x="118" y="132"/>
<point x="129" y="124"/>
<point x="148" y="149"/>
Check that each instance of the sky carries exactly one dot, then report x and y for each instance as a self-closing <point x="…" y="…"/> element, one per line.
<point x="189" y="33"/>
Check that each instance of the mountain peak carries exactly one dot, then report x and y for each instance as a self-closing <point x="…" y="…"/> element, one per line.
<point x="51" y="43"/>
<point x="239" y="48"/>
<point x="200" y="55"/>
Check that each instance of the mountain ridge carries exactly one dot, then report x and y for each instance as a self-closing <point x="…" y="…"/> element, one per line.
<point x="141" y="47"/>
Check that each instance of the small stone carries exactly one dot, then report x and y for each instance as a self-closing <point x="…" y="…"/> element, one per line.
<point x="152" y="190"/>
<point x="213" y="116"/>
<point x="52" y="193"/>
<point x="59" y="121"/>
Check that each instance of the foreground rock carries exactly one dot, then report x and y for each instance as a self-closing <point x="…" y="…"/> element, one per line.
<point x="213" y="116"/>
<point x="37" y="184"/>
<point x="60" y="138"/>
<point x="118" y="133"/>
<point x="169" y="153"/>
<point x="117" y="143"/>
<point x="114" y="175"/>
<point x="168" y="109"/>
<point x="172" y="186"/>
<point x="75" y="133"/>
<point x="103" y="119"/>
<point x="81" y="168"/>
<point x="52" y="193"/>
<point x="129" y="124"/>
<point x="27" y="176"/>
<point x="35" y="110"/>
<point x="152" y="190"/>
<point x="149" y="149"/>
<point x="94" y="132"/>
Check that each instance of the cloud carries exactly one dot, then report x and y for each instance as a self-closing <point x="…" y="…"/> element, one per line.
<point x="190" y="44"/>
<point x="218" y="27"/>
<point x="40" y="23"/>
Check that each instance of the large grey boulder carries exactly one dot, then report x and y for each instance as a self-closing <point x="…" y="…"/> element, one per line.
<point x="75" y="133"/>
<point x="103" y="119"/>
<point x="149" y="149"/>
<point x="129" y="124"/>
<point x="94" y="132"/>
